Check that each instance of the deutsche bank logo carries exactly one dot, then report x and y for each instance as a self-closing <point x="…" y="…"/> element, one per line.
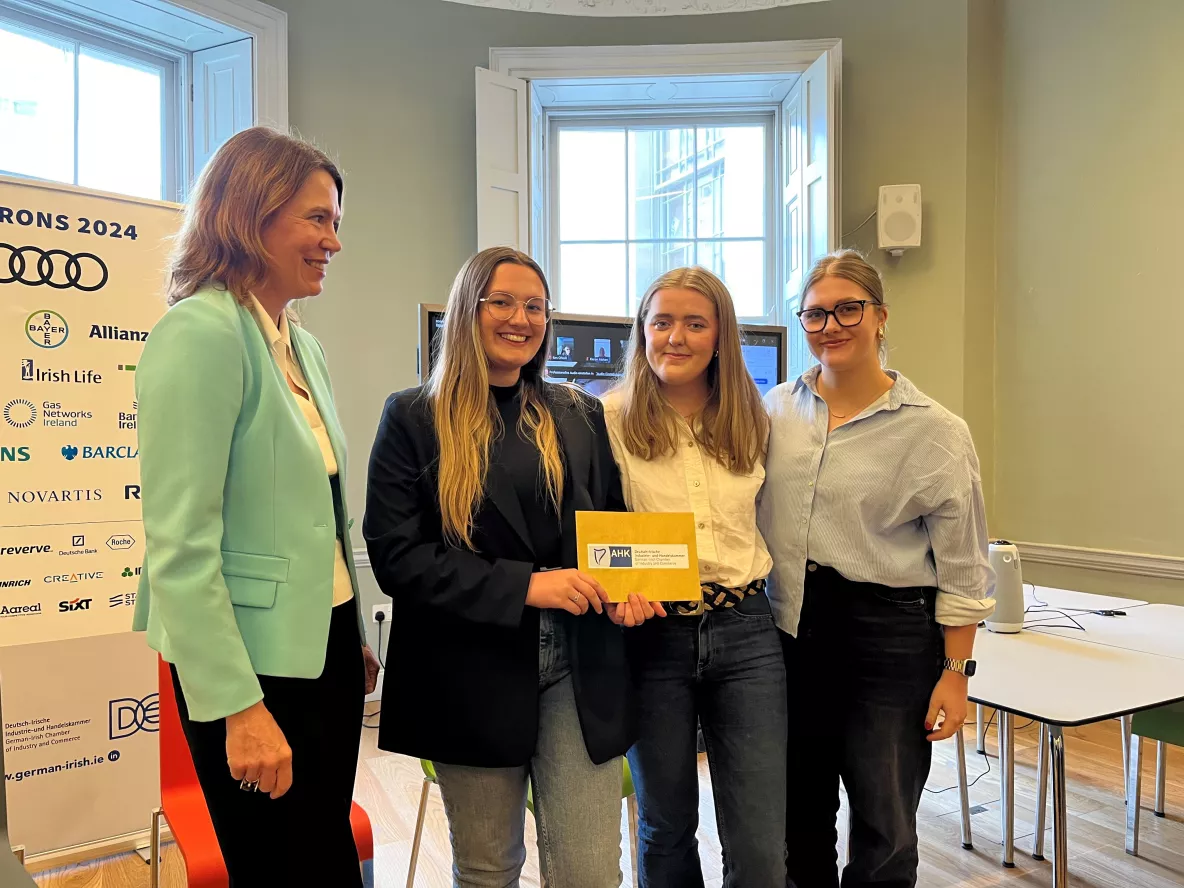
<point x="620" y="556"/>
<point x="128" y="716"/>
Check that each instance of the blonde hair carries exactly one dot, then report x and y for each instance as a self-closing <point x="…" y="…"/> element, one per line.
<point x="464" y="414"/>
<point x="734" y="426"/>
<point x="850" y="265"/>
<point x="249" y="178"/>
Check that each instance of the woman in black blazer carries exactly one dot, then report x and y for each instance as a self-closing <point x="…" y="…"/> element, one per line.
<point x="505" y="663"/>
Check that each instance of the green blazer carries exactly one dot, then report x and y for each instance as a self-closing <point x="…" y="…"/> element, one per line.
<point x="240" y="519"/>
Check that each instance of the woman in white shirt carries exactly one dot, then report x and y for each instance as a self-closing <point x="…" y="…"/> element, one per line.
<point x="689" y="432"/>
<point x="873" y="510"/>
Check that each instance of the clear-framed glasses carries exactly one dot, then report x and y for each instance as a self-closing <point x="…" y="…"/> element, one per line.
<point x="503" y="306"/>
<point x="846" y="314"/>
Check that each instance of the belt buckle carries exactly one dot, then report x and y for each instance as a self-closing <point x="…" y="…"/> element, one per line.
<point x="699" y="609"/>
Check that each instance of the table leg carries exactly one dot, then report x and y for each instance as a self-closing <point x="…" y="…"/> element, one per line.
<point x="1125" y="722"/>
<point x="1060" y="812"/>
<point x="1041" y="792"/>
<point x="1134" y="791"/>
<point x="964" y="791"/>
<point x="1161" y="776"/>
<point x="980" y="739"/>
<point x="1007" y="785"/>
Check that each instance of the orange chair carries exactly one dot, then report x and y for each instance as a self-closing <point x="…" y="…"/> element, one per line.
<point x="184" y="807"/>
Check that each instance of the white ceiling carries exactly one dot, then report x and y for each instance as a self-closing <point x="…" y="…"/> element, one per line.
<point x="633" y="7"/>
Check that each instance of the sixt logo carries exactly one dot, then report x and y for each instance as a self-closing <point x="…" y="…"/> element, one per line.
<point x="74" y="604"/>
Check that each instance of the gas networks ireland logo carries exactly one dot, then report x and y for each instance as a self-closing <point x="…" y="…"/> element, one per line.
<point x="19" y="413"/>
<point x="71" y="453"/>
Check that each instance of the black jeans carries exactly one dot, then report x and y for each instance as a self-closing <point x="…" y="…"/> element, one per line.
<point x="304" y="837"/>
<point x="725" y="668"/>
<point x="861" y="672"/>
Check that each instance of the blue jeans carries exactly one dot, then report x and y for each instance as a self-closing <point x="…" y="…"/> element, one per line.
<point x="725" y="669"/>
<point x="869" y="657"/>
<point x="577" y="804"/>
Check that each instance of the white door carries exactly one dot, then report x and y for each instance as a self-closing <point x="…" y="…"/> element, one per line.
<point x="223" y="91"/>
<point x="503" y="162"/>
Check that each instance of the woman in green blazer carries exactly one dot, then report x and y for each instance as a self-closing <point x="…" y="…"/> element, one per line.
<point x="249" y="588"/>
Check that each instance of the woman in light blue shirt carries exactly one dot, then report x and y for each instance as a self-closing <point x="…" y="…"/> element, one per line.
<point x="873" y="512"/>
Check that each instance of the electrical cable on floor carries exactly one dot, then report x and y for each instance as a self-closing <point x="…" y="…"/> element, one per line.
<point x="380" y="618"/>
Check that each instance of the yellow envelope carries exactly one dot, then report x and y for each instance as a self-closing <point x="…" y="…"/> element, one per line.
<point x="650" y="553"/>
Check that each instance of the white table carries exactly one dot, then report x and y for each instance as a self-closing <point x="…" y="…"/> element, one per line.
<point x="1061" y="682"/>
<point x="1152" y="629"/>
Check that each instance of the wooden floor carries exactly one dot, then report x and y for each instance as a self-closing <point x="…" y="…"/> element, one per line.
<point x="389" y="787"/>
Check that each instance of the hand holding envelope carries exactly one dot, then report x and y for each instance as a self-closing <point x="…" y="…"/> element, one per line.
<point x="640" y="553"/>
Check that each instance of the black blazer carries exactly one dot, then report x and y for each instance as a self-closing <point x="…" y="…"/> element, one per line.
<point x="462" y="669"/>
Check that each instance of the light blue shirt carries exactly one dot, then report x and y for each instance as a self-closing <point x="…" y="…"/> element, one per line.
<point x="892" y="497"/>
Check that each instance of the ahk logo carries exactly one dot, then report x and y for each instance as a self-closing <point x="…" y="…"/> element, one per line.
<point x="620" y="556"/>
<point x="128" y="716"/>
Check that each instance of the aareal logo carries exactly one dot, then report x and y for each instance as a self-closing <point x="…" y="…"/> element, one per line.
<point x="128" y="716"/>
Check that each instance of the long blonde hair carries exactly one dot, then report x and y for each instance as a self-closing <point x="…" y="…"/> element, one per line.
<point x="247" y="181"/>
<point x="464" y="414"/>
<point x="734" y="426"/>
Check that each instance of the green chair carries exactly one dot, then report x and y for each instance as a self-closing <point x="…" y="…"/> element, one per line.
<point x="429" y="778"/>
<point x="1165" y="725"/>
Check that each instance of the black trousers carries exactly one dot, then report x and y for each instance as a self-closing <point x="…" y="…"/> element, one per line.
<point x="303" y="837"/>
<point x="860" y="675"/>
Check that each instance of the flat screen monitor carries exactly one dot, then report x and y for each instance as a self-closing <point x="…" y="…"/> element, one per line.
<point x="590" y="350"/>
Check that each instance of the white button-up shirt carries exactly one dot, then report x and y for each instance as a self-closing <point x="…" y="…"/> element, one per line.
<point x="731" y="550"/>
<point x="892" y="497"/>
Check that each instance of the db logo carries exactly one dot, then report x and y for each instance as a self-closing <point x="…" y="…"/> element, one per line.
<point x="129" y="716"/>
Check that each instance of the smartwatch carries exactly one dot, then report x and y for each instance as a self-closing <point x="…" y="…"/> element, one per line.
<point x="962" y="667"/>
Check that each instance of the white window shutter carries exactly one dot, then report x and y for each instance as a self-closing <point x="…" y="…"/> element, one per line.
<point x="223" y="91"/>
<point x="503" y="160"/>
<point x="809" y="154"/>
<point x="540" y="237"/>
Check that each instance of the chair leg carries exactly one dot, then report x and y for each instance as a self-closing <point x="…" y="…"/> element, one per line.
<point x="631" y="805"/>
<point x="154" y="849"/>
<point x="1161" y="777"/>
<point x="18" y="851"/>
<point x="964" y="791"/>
<point x="1134" y="790"/>
<point x="423" y="808"/>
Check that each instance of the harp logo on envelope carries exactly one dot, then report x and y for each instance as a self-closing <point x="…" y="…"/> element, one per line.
<point x="655" y="557"/>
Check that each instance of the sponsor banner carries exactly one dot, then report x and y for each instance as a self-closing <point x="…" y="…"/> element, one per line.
<point x="81" y="757"/>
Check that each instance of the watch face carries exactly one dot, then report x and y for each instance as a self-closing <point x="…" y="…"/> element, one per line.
<point x="971" y="666"/>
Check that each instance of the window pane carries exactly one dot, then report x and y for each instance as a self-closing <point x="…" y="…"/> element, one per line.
<point x="731" y="181"/>
<point x="648" y="261"/>
<point x="591" y="185"/>
<point x="592" y="278"/>
<point x="740" y="265"/>
<point x="36" y="106"/>
<point x="661" y="183"/>
<point x="120" y="137"/>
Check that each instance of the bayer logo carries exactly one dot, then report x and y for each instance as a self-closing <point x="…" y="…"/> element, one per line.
<point x="20" y="414"/>
<point x="46" y="328"/>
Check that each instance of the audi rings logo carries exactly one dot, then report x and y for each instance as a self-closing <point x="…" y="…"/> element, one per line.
<point x="57" y="269"/>
<point x="128" y="716"/>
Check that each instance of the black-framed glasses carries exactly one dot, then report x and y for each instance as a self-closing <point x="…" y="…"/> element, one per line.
<point x="846" y="314"/>
<point x="503" y="306"/>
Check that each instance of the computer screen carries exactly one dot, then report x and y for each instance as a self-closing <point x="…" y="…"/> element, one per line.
<point x="590" y="351"/>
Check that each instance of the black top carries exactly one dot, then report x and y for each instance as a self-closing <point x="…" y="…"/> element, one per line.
<point x="464" y="646"/>
<point x="517" y="454"/>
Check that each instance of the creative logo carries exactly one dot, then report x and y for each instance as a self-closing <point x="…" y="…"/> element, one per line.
<point x="31" y="373"/>
<point x="120" y="542"/>
<point x="74" y="604"/>
<point x="56" y="269"/>
<point x="70" y="452"/>
<point x="46" y="328"/>
<point x="54" y="496"/>
<point x="14" y="584"/>
<point x="19" y="413"/>
<point x="117" y="334"/>
<point x="131" y="491"/>
<point x="128" y="716"/>
<point x="19" y="610"/>
<point x="14" y="454"/>
<point x="74" y="578"/>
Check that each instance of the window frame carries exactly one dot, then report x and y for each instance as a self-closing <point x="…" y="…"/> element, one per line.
<point x="767" y="115"/>
<point x="171" y="63"/>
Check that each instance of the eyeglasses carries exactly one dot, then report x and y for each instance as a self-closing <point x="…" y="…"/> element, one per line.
<point x="846" y="314"/>
<point x="503" y="306"/>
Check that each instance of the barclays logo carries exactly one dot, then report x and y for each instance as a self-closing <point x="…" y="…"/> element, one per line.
<point x="71" y="453"/>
